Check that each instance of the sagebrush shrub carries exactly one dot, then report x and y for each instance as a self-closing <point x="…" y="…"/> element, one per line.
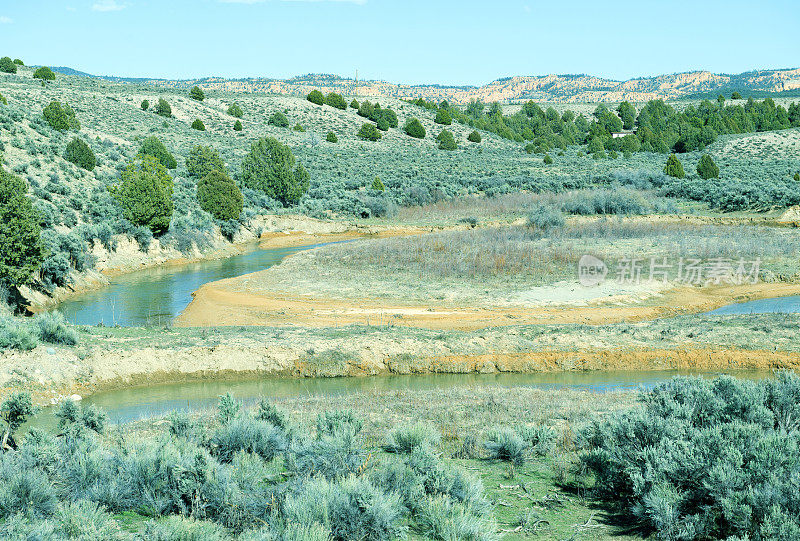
<point x="703" y="459"/>
<point x="407" y="438"/>
<point x="505" y="444"/>
<point x="443" y="519"/>
<point x="545" y="217"/>
<point x="53" y="328"/>
<point x="245" y="433"/>
<point x="351" y="508"/>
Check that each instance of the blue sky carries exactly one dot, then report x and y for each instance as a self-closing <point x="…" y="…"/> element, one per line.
<point x="414" y="41"/>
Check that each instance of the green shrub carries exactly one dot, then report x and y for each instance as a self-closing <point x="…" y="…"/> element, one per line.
<point x="228" y="408"/>
<point x="7" y="65"/>
<point x="315" y="96"/>
<point x="474" y="137"/>
<point x="271" y="168"/>
<point x="796" y="177"/>
<point x="271" y="414"/>
<point x="548" y="160"/>
<point x="331" y="137"/>
<point x="443" y="117"/>
<point x="196" y="93"/>
<point x="278" y="119"/>
<point x="446" y="140"/>
<point x="144" y="193"/>
<point x="163" y="108"/>
<point x="152" y="146"/>
<point x="706" y="168"/>
<point x="220" y="196"/>
<point x="703" y="459"/>
<point x="407" y="438"/>
<point x="27" y="492"/>
<point x="237" y="126"/>
<point x="336" y="100"/>
<point x="354" y="104"/>
<point x="53" y="329"/>
<point x="15" y="335"/>
<point x="14" y="411"/>
<point x="674" y="168"/>
<point x="145" y="105"/>
<point x="202" y="160"/>
<point x="4" y="101"/>
<point x="61" y="118"/>
<point x="330" y="422"/>
<point x="235" y="111"/>
<point x="541" y="439"/>
<point x="21" y="248"/>
<point x="377" y="184"/>
<point x="545" y="217"/>
<point x="369" y="132"/>
<point x="414" y="128"/>
<point x="299" y="127"/>
<point x="45" y="74"/>
<point x="443" y="519"/>
<point x="247" y="434"/>
<point x="352" y="509"/>
<point x="505" y="444"/>
<point x="71" y="414"/>
<point x="178" y="528"/>
<point x="198" y="125"/>
<point x="79" y="153"/>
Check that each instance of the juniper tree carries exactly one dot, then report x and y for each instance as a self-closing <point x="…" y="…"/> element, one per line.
<point x="446" y="140"/>
<point x="7" y="65"/>
<point x="163" y="108"/>
<point x="196" y="93"/>
<point x="21" y="248"/>
<point x="474" y="137"/>
<point x="706" y="168"/>
<point x="145" y="105"/>
<point x="237" y="126"/>
<point x="443" y="117"/>
<point x="235" y="111"/>
<point x="369" y="132"/>
<point x="144" y="193"/>
<point x="272" y="169"/>
<point x="198" y="125"/>
<point x="316" y="97"/>
<point x="44" y="73"/>
<point x="152" y="146"/>
<point x="414" y="128"/>
<point x="79" y="153"/>
<point x="219" y="196"/>
<point x="202" y="160"/>
<point x="674" y="168"/>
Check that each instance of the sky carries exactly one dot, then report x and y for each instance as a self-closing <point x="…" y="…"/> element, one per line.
<point x="403" y="41"/>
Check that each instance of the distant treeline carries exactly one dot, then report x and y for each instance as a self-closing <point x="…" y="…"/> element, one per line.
<point x="659" y="127"/>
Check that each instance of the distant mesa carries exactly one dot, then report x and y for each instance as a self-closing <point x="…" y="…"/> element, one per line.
<point x="556" y="88"/>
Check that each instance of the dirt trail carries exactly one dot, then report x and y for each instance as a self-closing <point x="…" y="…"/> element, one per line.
<point x="218" y="303"/>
